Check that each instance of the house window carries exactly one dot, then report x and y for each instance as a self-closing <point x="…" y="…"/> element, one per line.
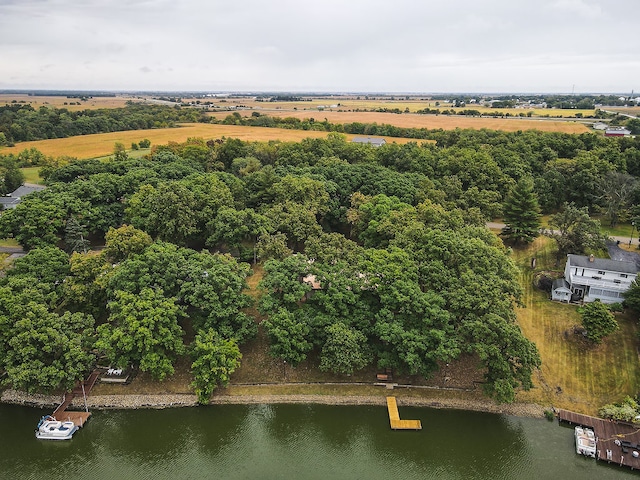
<point x="624" y="275"/>
<point x="600" y="272"/>
<point x="616" y="281"/>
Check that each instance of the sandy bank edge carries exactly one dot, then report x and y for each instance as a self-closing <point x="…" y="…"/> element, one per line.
<point x="100" y="402"/>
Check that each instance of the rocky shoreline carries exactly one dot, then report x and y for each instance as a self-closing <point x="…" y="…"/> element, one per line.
<point x="103" y="402"/>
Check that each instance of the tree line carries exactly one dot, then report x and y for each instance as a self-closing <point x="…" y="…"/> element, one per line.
<point x="21" y="122"/>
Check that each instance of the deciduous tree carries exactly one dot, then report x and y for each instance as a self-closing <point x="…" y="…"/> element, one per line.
<point x="215" y="358"/>
<point x="598" y="320"/>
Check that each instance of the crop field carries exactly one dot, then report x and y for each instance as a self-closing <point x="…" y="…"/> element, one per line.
<point x="101" y="144"/>
<point x="349" y="103"/>
<point x="446" y="122"/>
<point x="59" y="101"/>
<point x="574" y="373"/>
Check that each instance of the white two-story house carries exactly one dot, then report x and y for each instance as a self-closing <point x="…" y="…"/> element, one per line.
<point x="590" y="278"/>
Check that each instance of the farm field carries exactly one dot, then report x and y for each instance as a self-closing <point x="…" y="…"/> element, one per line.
<point x="101" y="144"/>
<point x="58" y="101"/>
<point x="574" y="374"/>
<point x="446" y="122"/>
<point x="351" y="103"/>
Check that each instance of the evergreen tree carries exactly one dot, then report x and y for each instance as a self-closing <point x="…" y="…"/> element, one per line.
<point x="75" y="237"/>
<point x="521" y="213"/>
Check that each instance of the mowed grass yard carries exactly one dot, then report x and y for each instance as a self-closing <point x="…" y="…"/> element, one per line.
<point x="574" y="374"/>
<point x="101" y="144"/>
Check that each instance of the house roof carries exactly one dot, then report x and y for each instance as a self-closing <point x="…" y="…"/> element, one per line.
<point x="13" y="198"/>
<point x="23" y="190"/>
<point x="560" y="283"/>
<point x="369" y="140"/>
<point x="602" y="264"/>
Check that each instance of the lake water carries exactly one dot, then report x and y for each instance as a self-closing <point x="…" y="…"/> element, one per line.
<point x="295" y="442"/>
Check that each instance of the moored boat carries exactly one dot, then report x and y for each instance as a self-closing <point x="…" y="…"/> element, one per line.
<point x="585" y="442"/>
<point x="51" y="429"/>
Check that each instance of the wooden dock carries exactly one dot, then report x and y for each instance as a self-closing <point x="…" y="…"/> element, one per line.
<point x="615" y="441"/>
<point x="394" y="417"/>
<point x="81" y="389"/>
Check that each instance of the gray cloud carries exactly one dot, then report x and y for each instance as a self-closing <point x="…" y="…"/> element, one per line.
<point x="372" y="45"/>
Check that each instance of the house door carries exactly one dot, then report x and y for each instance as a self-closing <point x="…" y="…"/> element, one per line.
<point x="577" y="294"/>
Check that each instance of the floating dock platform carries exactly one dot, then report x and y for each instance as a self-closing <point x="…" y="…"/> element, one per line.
<point x="394" y="418"/>
<point x="616" y="442"/>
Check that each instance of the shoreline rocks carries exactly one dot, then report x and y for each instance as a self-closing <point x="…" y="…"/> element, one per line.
<point x="132" y="402"/>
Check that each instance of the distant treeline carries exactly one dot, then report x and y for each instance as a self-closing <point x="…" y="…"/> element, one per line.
<point x="19" y="122"/>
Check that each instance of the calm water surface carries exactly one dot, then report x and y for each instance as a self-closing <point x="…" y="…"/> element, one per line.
<point x="295" y="442"/>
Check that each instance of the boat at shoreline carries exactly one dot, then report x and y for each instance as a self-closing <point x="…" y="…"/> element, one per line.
<point x="585" y="442"/>
<point x="51" y="429"/>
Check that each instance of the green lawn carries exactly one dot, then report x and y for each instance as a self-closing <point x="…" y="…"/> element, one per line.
<point x="31" y="175"/>
<point x="8" y="242"/>
<point x="141" y="152"/>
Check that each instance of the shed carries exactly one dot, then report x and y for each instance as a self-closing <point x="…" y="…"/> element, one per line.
<point x="560" y="290"/>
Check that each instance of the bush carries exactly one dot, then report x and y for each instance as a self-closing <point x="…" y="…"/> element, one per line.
<point x="615" y="307"/>
<point x="625" y="411"/>
<point x="544" y="282"/>
<point x="549" y="415"/>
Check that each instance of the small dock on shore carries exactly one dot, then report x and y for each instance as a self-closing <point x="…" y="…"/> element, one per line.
<point x="394" y="417"/>
<point x="81" y="389"/>
<point x="616" y="442"/>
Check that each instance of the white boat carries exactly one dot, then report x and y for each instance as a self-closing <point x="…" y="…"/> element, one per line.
<point x="585" y="442"/>
<point x="51" y="429"/>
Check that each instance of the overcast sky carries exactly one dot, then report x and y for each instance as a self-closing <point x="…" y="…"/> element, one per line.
<point x="322" y="45"/>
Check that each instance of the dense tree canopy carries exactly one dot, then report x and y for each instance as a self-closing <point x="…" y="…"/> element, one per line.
<point x="372" y="256"/>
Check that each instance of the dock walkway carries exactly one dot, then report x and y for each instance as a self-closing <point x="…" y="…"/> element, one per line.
<point x="394" y="417"/>
<point x="616" y="442"/>
<point x="81" y="389"/>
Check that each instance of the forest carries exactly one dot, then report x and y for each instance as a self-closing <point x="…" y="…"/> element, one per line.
<point x="372" y="256"/>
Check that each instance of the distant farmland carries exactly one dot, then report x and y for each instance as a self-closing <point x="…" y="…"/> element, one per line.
<point x="99" y="145"/>
<point x="446" y="122"/>
<point x="58" y="101"/>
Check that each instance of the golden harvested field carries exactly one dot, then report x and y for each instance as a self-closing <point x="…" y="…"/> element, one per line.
<point x="574" y="374"/>
<point x="59" y="101"/>
<point x="101" y="144"/>
<point x="446" y="122"/>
